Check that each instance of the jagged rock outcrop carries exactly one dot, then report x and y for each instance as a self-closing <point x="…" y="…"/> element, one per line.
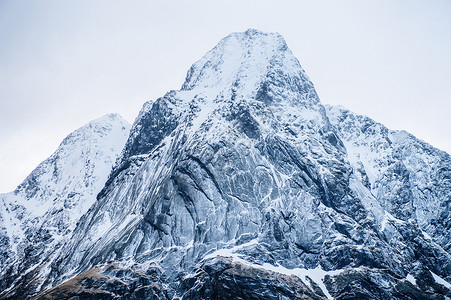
<point x="243" y="185"/>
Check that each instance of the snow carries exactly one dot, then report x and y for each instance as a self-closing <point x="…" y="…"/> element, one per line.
<point x="317" y="274"/>
<point x="441" y="281"/>
<point x="366" y="147"/>
<point x="64" y="186"/>
<point x="411" y="279"/>
<point x="426" y="235"/>
<point x="230" y="252"/>
<point x="389" y="217"/>
<point x="369" y="201"/>
<point x="9" y="221"/>
<point x="247" y="58"/>
<point x="379" y="153"/>
<point x="102" y="227"/>
<point x="251" y="58"/>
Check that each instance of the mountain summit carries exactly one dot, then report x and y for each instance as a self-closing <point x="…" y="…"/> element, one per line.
<point x="242" y="61"/>
<point x="38" y="218"/>
<point x="243" y="185"/>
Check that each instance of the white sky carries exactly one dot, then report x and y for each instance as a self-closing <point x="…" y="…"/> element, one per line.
<point x="64" y="63"/>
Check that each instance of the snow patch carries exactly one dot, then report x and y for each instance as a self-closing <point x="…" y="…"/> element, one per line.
<point x="411" y="279"/>
<point x="441" y="281"/>
<point x="317" y="274"/>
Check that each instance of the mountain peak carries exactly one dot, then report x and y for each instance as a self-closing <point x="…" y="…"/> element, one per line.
<point x="243" y="60"/>
<point x="44" y="209"/>
<point x="252" y="73"/>
<point x="102" y="136"/>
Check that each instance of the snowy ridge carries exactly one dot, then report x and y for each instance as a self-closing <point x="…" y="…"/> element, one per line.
<point x="43" y="211"/>
<point x="375" y="152"/>
<point x="243" y="60"/>
<point x="71" y="168"/>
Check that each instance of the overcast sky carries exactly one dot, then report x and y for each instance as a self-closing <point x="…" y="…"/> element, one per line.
<point x="64" y="63"/>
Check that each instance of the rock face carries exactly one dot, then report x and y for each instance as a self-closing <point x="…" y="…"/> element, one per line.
<point x="38" y="218"/>
<point x="406" y="175"/>
<point x="243" y="185"/>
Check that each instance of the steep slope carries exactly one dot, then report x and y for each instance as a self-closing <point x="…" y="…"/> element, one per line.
<point x="40" y="215"/>
<point x="238" y="186"/>
<point x="410" y="178"/>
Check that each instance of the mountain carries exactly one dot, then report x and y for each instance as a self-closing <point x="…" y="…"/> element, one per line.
<point x="243" y="185"/>
<point x="41" y="214"/>
<point x="409" y="178"/>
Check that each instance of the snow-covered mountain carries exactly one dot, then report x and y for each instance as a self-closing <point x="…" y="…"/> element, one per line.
<point x="40" y="215"/>
<point x="410" y="179"/>
<point x="243" y="185"/>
